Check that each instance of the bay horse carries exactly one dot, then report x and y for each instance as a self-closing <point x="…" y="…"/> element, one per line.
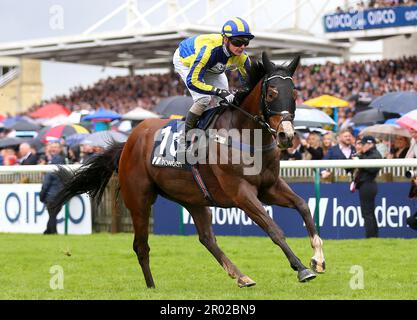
<point x="268" y="106"/>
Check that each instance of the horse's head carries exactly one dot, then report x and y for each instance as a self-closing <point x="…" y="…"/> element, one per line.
<point x="278" y="99"/>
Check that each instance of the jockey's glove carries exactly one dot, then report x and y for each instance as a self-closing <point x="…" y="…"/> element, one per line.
<point x="225" y="95"/>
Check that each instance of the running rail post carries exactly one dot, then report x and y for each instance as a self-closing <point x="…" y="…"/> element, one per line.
<point x="181" y="224"/>
<point x="66" y="217"/>
<point x="317" y="193"/>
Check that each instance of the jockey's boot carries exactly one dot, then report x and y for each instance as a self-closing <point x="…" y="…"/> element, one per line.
<point x="184" y="146"/>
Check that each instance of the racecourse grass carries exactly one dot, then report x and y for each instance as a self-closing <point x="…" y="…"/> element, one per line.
<point x="104" y="266"/>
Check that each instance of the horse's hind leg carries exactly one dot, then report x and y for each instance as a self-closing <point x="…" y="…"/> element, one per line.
<point x="140" y="243"/>
<point x="281" y="194"/>
<point x="139" y="205"/>
<point x="202" y="221"/>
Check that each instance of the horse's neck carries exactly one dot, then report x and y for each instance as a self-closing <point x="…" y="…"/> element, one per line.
<point x="251" y="104"/>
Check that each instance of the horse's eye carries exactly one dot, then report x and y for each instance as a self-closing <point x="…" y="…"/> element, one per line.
<point x="295" y="94"/>
<point x="271" y="94"/>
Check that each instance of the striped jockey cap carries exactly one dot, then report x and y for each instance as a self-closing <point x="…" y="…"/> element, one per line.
<point x="237" y="27"/>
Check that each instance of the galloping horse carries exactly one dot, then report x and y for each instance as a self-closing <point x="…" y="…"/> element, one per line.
<point x="268" y="106"/>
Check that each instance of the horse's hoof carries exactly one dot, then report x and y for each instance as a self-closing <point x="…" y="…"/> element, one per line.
<point x="318" y="267"/>
<point x="306" y="275"/>
<point x="245" y="281"/>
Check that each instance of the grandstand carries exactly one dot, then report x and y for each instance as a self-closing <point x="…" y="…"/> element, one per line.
<point x="20" y="84"/>
<point x="146" y="43"/>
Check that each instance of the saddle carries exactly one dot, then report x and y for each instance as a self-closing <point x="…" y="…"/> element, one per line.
<point x="165" y="146"/>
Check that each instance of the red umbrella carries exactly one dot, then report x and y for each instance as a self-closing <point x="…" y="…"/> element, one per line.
<point x="50" y="110"/>
<point x="62" y="131"/>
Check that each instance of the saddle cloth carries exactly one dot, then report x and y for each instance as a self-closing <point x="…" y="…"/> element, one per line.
<point x="164" y="152"/>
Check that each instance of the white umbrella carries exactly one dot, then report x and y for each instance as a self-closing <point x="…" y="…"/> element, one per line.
<point x="385" y="130"/>
<point x="311" y="117"/>
<point x="103" y="138"/>
<point x="139" y="114"/>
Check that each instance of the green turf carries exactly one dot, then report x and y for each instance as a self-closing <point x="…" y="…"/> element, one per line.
<point x="103" y="266"/>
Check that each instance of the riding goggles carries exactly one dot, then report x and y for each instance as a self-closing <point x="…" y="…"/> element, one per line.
<point x="238" y="42"/>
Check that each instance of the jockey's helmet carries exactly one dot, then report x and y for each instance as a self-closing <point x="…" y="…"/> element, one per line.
<point x="237" y="27"/>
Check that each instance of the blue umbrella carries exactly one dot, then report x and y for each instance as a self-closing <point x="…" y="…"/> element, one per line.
<point x="75" y="138"/>
<point x="102" y="115"/>
<point x="391" y="121"/>
<point x="398" y="102"/>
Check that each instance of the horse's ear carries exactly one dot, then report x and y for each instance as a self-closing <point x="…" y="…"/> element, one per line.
<point x="293" y="65"/>
<point x="268" y="65"/>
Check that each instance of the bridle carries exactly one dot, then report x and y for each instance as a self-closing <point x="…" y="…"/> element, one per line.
<point x="262" y="120"/>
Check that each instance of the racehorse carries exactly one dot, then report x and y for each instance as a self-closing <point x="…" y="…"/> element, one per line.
<point x="268" y="106"/>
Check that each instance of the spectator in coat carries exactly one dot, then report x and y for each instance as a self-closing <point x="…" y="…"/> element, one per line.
<point x="51" y="186"/>
<point x="341" y="151"/>
<point x="27" y="156"/>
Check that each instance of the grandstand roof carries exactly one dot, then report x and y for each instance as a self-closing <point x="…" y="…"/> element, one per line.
<point x="154" y="49"/>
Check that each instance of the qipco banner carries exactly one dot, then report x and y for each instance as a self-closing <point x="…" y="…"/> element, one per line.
<point x="340" y="214"/>
<point x="371" y="19"/>
<point x="22" y="212"/>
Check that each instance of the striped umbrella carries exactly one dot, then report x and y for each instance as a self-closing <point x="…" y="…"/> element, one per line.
<point x="62" y="131"/>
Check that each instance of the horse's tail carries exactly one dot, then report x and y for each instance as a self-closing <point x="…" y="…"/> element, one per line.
<point x="91" y="178"/>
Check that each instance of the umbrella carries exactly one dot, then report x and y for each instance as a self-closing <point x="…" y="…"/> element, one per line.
<point x="305" y="129"/>
<point x="385" y="130"/>
<point x="62" y="131"/>
<point x="55" y="121"/>
<point x="178" y="105"/>
<point x="372" y="116"/>
<point x="400" y="102"/>
<point x="23" y="125"/>
<point x="12" y="120"/>
<point x="10" y="142"/>
<point x="409" y="120"/>
<point x="391" y="121"/>
<point x="139" y="114"/>
<point x="102" y="115"/>
<point x="50" y="110"/>
<point x="75" y="138"/>
<point x="310" y="117"/>
<point x="326" y="101"/>
<point x="103" y="138"/>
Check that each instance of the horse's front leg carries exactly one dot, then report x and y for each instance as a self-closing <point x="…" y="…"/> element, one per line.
<point x="202" y="220"/>
<point x="246" y="199"/>
<point x="282" y="195"/>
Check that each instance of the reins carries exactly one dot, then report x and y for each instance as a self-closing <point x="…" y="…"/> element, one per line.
<point x="256" y="118"/>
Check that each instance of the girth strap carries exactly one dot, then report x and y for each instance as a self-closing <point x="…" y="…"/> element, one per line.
<point x="202" y="185"/>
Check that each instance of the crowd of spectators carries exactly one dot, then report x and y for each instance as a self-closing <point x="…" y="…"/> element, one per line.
<point x="344" y="80"/>
<point x="375" y="4"/>
<point x="121" y="94"/>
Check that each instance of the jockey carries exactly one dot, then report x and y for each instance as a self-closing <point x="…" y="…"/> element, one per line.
<point x="201" y="62"/>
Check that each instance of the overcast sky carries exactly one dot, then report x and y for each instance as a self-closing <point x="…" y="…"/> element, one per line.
<point x="34" y="19"/>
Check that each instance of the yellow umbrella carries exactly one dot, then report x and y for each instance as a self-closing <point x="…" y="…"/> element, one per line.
<point x="176" y="116"/>
<point x="326" y="101"/>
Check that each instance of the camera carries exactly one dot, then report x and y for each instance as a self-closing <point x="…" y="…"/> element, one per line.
<point x="411" y="174"/>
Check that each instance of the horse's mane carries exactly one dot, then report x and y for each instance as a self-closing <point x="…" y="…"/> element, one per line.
<point x="255" y="73"/>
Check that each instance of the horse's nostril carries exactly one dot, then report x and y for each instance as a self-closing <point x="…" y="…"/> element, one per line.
<point x="282" y="136"/>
